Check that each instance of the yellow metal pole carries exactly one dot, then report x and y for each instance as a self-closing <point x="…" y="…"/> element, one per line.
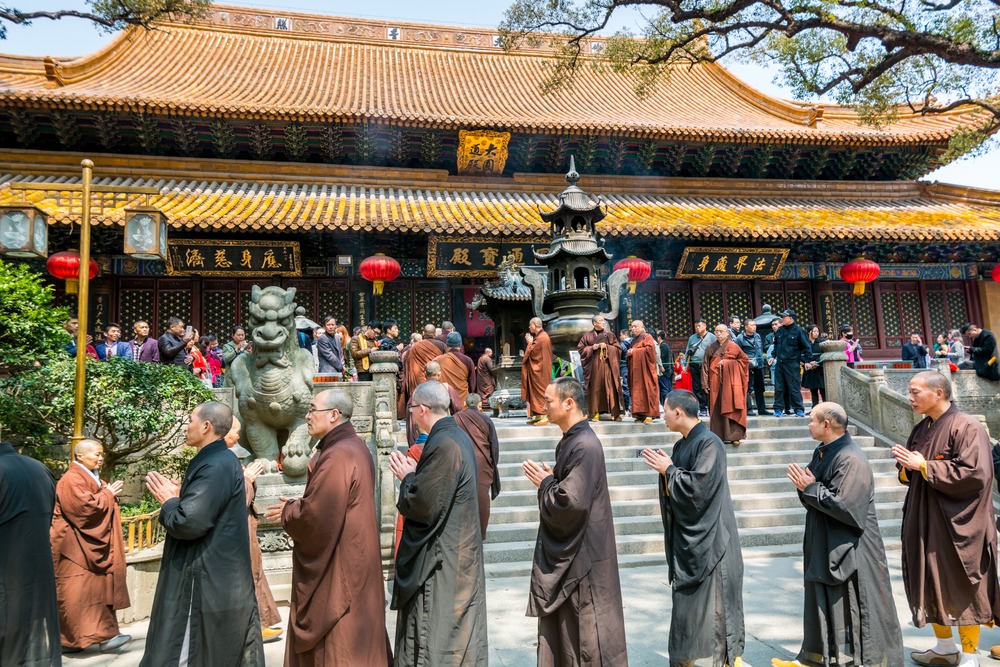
<point x="82" y="311"/>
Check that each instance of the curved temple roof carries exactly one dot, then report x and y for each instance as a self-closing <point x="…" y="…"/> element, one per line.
<point x="233" y="197"/>
<point x="261" y="64"/>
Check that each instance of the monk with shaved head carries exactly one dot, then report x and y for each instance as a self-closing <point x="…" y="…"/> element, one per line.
<point x="88" y="553"/>
<point x="849" y="614"/>
<point x="949" y="538"/>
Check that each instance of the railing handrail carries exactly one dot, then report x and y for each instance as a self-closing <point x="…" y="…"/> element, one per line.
<point x="142" y="531"/>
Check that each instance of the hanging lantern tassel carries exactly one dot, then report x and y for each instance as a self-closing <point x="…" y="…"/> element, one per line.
<point x="638" y="271"/>
<point x="377" y="286"/>
<point x="859" y="272"/>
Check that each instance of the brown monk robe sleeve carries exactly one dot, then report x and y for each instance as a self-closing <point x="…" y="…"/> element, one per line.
<point x="315" y="522"/>
<point x="642" y="380"/>
<point x="92" y="532"/>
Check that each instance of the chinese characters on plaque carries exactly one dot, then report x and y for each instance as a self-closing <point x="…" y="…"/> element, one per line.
<point x="472" y="257"/>
<point x="233" y="258"/>
<point x="733" y="263"/>
<point x="482" y="153"/>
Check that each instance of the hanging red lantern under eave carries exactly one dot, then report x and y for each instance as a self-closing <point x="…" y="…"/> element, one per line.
<point x="859" y="272"/>
<point x="65" y="265"/>
<point x="638" y="271"/>
<point x="995" y="274"/>
<point x="379" y="269"/>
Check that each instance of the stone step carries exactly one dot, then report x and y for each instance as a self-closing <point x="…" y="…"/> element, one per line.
<point x="499" y="533"/>
<point x="527" y="436"/>
<point x="625" y="448"/>
<point x="735" y="458"/>
<point x="636" y="472"/>
<point x="740" y="489"/>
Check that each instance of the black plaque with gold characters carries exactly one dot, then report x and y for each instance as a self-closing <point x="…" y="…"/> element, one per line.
<point x="234" y="259"/>
<point x="475" y="257"/>
<point x="732" y="263"/>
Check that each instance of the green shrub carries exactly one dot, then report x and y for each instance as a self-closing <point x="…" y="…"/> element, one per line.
<point x="31" y="328"/>
<point x="136" y="410"/>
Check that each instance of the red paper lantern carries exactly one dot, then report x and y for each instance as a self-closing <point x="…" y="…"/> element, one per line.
<point x="995" y="274"/>
<point x="65" y="265"/>
<point x="859" y="272"/>
<point x="638" y="270"/>
<point x="379" y="269"/>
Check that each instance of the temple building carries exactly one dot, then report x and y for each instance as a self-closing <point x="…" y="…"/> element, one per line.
<point x="286" y="148"/>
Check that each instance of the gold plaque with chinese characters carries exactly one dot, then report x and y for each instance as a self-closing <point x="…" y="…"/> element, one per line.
<point x="238" y="259"/>
<point x="482" y="152"/>
<point x="732" y="263"/>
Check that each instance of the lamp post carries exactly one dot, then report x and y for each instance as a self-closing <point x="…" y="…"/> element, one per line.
<point x="85" y="188"/>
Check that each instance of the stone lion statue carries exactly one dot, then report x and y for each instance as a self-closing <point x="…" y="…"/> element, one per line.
<point x="273" y="383"/>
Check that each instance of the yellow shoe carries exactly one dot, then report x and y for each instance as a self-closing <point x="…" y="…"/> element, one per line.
<point x="775" y="662"/>
<point x="271" y="634"/>
<point x="543" y="421"/>
<point x="597" y="417"/>
<point x="647" y="420"/>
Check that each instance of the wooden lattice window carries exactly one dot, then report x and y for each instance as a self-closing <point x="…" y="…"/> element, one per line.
<point x="333" y="300"/>
<point x="218" y="314"/>
<point x="135" y="305"/>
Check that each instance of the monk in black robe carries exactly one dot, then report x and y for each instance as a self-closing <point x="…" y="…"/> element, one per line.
<point x="204" y="608"/>
<point x="704" y="560"/>
<point x="601" y="355"/>
<point x="30" y="631"/>
<point x="949" y="537"/>
<point x="483" y="434"/>
<point x="849" y="614"/>
<point x="440" y="591"/>
<point x="575" y="591"/>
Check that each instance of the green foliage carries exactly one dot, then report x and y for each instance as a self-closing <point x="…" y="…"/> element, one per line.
<point x="135" y="410"/>
<point x="147" y="505"/>
<point x="881" y="58"/>
<point x="31" y="327"/>
<point x="111" y="15"/>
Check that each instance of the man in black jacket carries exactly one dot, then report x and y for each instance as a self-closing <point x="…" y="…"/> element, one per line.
<point x="175" y="343"/>
<point x="983" y="351"/>
<point x="791" y="348"/>
<point x="751" y="344"/>
<point x="915" y="351"/>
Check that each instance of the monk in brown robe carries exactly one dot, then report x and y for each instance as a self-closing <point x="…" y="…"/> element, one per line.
<point x="486" y="380"/>
<point x="725" y="376"/>
<point x="483" y="434"/>
<point x="89" y="554"/>
<point x="601" y="355"/>
<point x="949" y="537"/>
<point x="457" y="369"/>
<point x="643" y="381"/>
<point x="266" y="606"/>
<point x="337" y="610"/>
<point x="536" y="371"/>
<point x="575" y="590"/>
<point x="415" y="359"/>
<point x="432" y="371"/>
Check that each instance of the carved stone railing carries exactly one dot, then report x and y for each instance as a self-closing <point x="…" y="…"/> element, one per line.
<point x="878" y="399"/>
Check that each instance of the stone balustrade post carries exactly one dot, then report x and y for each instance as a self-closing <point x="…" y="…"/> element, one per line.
<point x="834" y="358"/>
<point x="875" y="399"/>
<point x="384" y="370"/>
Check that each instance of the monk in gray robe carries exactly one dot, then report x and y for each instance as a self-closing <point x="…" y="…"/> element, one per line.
<point x="849" y="615"/>
<point x="440" y="591"/>
<point x="949" y="536"/>
<point x="575" y="590"/>
<point x="704" y="560"/>
<point x="30" y="631"/>
<point x="601" y="355"/>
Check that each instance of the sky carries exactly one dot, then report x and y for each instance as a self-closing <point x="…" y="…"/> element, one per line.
<point x="75" y="37"/>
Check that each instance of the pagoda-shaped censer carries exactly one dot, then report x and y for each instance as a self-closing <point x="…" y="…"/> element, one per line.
<point x="574" y="292"/>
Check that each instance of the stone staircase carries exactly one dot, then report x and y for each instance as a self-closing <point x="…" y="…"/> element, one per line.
<point x="768" y="512"/>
